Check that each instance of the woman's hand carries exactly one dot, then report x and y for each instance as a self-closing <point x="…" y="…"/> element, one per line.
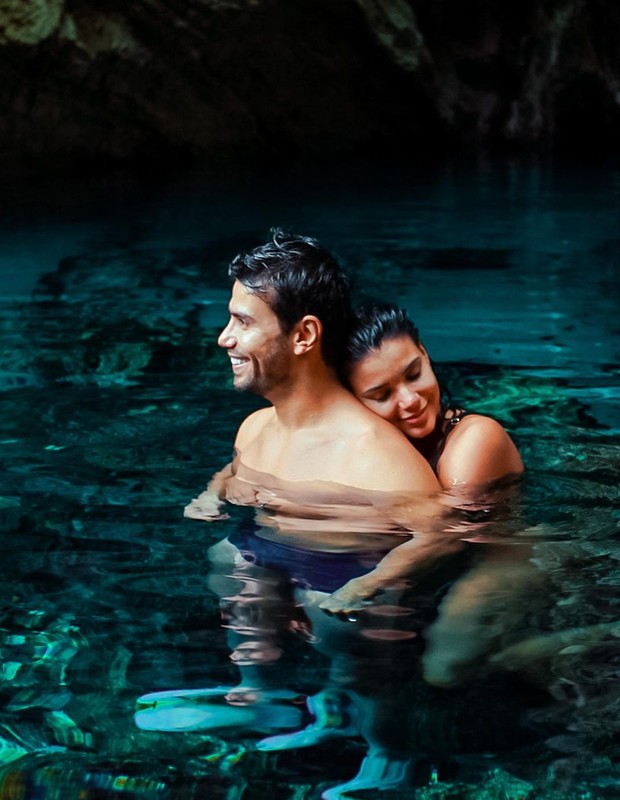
<point x="353" y="596"/>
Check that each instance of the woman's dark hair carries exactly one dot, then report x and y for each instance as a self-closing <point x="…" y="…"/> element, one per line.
<point x="296" y="276"/>
<point x="372" y="325"/>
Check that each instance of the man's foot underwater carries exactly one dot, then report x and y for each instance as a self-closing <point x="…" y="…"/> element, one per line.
<point x="335" y="717"/>
<point x="219" y="708"/>
<point x="378" y="771"/>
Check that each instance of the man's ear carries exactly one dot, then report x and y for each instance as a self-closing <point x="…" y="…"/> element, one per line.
<point x="307" y="334"/>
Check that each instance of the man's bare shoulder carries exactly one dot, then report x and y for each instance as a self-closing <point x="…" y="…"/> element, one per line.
<point x="253" y="426"/>
<point x="382" y="458"/>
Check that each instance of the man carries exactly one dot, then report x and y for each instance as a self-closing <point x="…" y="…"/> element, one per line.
<point x="289" y="311"/>
<point x="315" y="455"/>
<point x="289" y="315"/>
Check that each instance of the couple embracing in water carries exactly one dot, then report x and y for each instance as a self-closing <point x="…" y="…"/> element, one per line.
<point x="348" y="469"/>
<point x="355" y="403"/>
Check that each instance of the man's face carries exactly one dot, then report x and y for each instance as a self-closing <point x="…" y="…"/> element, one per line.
<point x="259" y="352"/>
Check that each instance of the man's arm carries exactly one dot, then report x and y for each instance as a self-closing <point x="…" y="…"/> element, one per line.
<point x="207" y="505"/>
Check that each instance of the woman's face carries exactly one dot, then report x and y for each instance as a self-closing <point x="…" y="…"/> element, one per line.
<point x="397" y="382"/>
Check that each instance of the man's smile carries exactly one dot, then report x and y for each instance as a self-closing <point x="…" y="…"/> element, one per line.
<point x="237" y="361"/>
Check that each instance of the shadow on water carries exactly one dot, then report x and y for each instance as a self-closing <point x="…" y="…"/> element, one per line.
<point x="116" y="407"/>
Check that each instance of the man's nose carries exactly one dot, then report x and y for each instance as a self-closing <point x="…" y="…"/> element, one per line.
<point x="226" y="339"/>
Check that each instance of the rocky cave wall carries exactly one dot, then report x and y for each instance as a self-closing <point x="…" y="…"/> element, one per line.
<point x="148" y="79"/>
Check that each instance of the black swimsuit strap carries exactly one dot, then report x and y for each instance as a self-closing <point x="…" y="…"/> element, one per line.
<point x="449" y="420"/>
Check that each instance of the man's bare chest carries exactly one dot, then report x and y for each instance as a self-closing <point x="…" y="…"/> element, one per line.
<point x="297" y="457"/>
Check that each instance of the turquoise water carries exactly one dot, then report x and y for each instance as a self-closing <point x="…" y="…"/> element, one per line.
<point x="116" y="408"/>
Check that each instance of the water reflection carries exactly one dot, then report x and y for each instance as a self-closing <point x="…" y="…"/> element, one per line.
<point x="381" y="668"/>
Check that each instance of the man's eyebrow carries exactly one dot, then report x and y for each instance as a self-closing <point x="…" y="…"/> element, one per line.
<point x="414" y="362"/>
<point x="240" y="315"/>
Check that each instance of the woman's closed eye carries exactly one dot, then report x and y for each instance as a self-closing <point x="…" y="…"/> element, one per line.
<point x="381" y="397"/>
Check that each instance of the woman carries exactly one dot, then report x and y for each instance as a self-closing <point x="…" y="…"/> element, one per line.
<point x="389" y="370"/>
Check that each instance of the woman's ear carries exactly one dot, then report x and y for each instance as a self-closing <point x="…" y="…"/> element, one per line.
<point x="307" y="334"/>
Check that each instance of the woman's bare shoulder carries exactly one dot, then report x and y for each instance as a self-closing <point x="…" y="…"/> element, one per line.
<point x="479" y="450"/>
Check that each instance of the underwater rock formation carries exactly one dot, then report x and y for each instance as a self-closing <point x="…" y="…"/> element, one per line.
<point x="164" y="77"/>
